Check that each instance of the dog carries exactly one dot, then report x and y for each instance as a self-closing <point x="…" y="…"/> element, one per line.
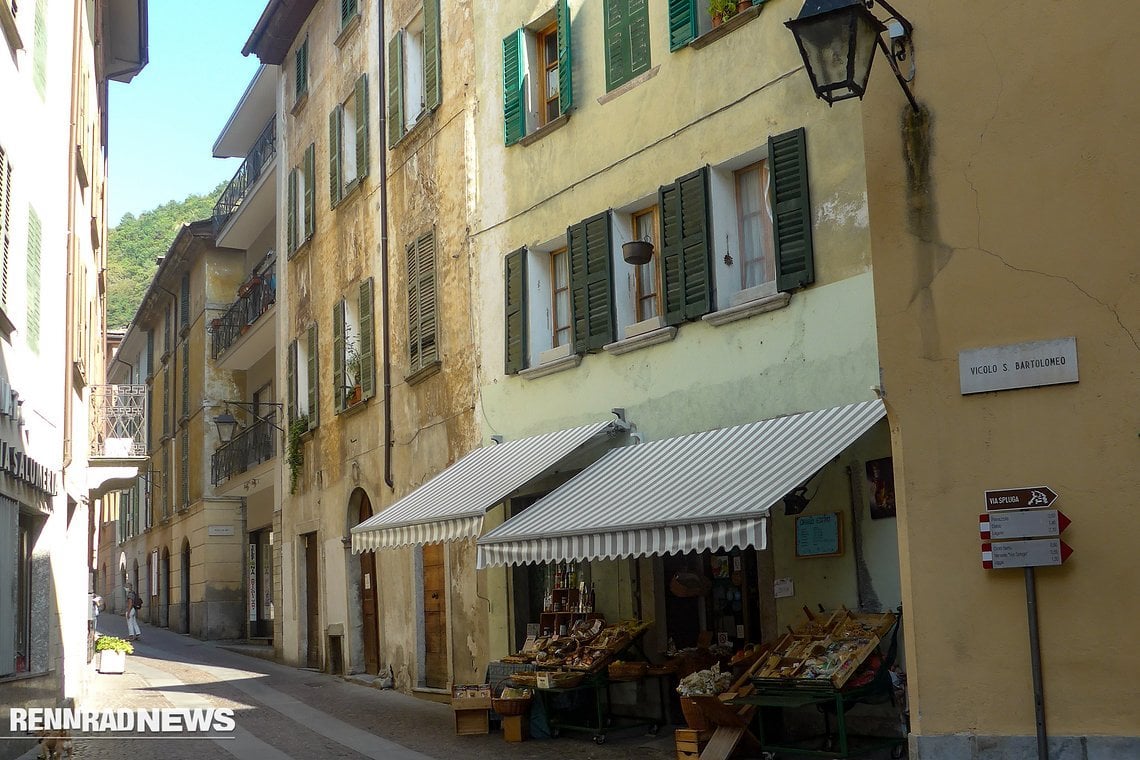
<point x="55" y="745"/>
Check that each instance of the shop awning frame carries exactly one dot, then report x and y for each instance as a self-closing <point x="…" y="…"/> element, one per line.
<point x="704" y="491"/>
<point x="451" y="505"/>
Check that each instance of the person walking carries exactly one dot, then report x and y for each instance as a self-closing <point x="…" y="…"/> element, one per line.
<point x="134" y="604"/>
<point x="96" y="607"/>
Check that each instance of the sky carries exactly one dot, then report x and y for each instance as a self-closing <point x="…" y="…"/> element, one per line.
<point x="164" y="123"/>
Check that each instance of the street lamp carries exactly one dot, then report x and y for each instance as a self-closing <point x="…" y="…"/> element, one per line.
<point x="837" y="40"/>
<point x="227" y="426"/>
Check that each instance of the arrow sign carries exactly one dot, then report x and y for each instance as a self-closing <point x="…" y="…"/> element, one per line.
<point x="1020" y="498"/>
<point x="1031" y="523"/>
<point x="1042" y="552"/>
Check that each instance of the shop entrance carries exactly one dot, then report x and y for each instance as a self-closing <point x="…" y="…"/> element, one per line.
<point x="312" y="610"/>
<point x="435" y="616"/>
<point x="368" y="603"/>
<point x="260" y="584"/>
<point x="712" y="593"/>
<point x="184" y="622"/>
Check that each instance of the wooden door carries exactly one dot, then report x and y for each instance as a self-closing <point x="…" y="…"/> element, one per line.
<point x="368" y="604"/>
<point x="435" y="617"/>
<point x="312" y="607"/>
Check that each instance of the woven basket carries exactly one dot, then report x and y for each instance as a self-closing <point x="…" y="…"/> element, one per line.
<point x="527" y="680"/>
<point x="628" y="671"/>
<point x="565" y="680"/>
<point x="510" y="706"/>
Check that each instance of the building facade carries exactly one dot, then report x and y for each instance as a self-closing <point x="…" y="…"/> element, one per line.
<point x="1001" y="242"/>
<point x="60" y="58"/>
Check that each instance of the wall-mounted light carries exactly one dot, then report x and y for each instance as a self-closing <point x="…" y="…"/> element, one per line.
<point x="837" y="39"/>
<point x="228" y="425"/>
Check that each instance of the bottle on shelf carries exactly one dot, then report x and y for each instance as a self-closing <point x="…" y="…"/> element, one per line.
<point x="558" y="576"/>
<point x="592" y="599"/>
<point x="572" y="577"/>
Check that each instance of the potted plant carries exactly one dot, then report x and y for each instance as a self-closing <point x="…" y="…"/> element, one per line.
<point x="353" y="368"/>
<point x="721" y="10"/>
<point x="296" y="456"/>
<point x="113" y="653"/>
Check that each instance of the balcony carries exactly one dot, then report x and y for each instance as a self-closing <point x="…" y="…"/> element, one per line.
<point x="246" y="205"/>
<point x="118" y="437"/>
<point x="249" y="448"/>
<point x="245" y="323"/>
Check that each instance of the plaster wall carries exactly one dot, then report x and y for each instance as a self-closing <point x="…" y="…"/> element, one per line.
<point x="1001" y="214"/>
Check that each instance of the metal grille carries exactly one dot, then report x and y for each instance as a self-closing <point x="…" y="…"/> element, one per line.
<point x="118" y="420"/>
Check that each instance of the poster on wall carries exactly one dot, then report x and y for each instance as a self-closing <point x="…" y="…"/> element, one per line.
<point x="252" y="595"/>
<point x="881" y="481"/>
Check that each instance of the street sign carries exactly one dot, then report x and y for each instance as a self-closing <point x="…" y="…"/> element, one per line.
<point x="1020" y="498"/>
<point x="1031" y="523"/>
<point x="1041" y="552"/>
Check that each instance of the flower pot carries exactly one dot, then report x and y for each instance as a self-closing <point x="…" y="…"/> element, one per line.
<point x="354" y="396"/>
<point x="717" y="20"/>
<point x="112" y="661"/>
<point x="637" y="252"/>
<point x="743" y="5"/>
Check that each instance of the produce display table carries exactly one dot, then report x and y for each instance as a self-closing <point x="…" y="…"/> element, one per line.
<point x="823" y="694"/>
<point x="600" y="717"/>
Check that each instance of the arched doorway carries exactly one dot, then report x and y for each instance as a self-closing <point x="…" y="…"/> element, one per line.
<point x="369" y="622"/>
<point x="164" y="589"/>
<point x="184" y="609"/>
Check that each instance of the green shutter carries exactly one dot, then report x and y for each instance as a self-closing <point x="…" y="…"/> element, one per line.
<point x="565" y="59"/>
<point x="682" y="23"/>
<point x="591" y="265"/>
<point x="314" y="396"/>
<point x="514" y="84"/>
<point x="515" y="310"/>
<point x="347" y="11"/>
<point x="301" y="73"/>
<point x="791" y="210"/>
<point x="432" y="87"/>
<point x="336" y="118"/>
<point x="5" y="225"/>
<point x="367" y="346"/>
<point x="35" y="245"/>
<point x="291" y="380"/>
<point x="413" y="309"/>
<point x="361" y="127"/>
<point x="185" y="378"/>
<point x="639" y="58"/>
<point x="617" y="42"/>
<point x="396" y="88"/>
<point x="429" y="327"/>
<point x="184" y="301"/>
<point x="338" y="355"/>
<point x="685" y="271"/>
<point x="310" y="190"/>
<point x="40" y="53"/>
<point x="291" y="213"/>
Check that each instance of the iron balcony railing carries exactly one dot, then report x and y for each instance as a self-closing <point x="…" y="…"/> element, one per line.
<point x="255" y="296"/>
<point x="258" y="158"/>
<point x="248" y="448"/>
<point x="118" y="421"/>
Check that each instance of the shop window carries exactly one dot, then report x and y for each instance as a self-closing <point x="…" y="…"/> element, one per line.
<point x="712" y="596"/>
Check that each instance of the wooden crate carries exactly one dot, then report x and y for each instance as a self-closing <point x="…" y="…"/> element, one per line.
<point x="472" y="715"/>
<point x="516" y="728"/>
<point x="690" y="742"/>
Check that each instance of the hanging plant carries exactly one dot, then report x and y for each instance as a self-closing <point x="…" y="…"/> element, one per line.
<point x="296" y="456"/>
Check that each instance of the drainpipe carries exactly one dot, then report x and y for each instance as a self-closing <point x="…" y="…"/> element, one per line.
<point x="386" y="339"/>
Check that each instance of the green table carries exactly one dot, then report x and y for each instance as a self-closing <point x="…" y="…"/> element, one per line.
<point x="603" y="718"/>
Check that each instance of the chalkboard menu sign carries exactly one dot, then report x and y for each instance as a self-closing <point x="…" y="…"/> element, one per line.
<point x="819" y="535"/>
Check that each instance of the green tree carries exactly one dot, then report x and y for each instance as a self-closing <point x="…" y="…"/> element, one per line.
<point x="136" y="243"/>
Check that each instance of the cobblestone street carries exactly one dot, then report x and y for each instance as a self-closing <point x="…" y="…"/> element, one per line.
<point x="284" y="712"/>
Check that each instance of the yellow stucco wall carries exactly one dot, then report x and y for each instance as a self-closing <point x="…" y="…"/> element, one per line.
<point x="1002" y="215"/>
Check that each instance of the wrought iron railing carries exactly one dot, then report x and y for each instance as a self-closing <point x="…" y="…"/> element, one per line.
<point x="118" y="421"/>
<point x="255" y="296"/>
<point x="248" y="448"/>
<point x="259" y="157"/>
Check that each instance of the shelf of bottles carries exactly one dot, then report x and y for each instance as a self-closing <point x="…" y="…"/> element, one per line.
<point x="570" y="598"/>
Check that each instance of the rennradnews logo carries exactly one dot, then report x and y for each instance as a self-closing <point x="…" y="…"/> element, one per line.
<point x="166" y="720"/>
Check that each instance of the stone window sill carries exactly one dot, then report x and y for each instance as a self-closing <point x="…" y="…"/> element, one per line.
<point x="631" y="84"/>
<point x="747" y="309"/>
<point x="642" y="340"/>
<point x="300" y="104"/>
<point x="423" y="373"/>
<point x="347" y="31"/>
<point x="737" y="21"/>
<point x="545" y="129"/>
<point x="550" y="368"/>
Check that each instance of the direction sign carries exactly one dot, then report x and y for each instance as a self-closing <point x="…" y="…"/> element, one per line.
<point x="1020" y="498"/>
<point x="1041" y="552"/>
<point x="1030" y="523"/>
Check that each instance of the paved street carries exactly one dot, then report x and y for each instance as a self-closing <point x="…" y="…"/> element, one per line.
<point x="283" y="712"/>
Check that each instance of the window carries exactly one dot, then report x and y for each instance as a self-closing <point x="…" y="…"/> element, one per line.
<point x="560" y="297"/>
<point x="301" y="71"/>
<point x="354" y="370"/>
<point x="348" y="142"/>
<point x="184" y="468"/>
<point x="626" y="40"/>
<point x="755" y="228"/>
<point x="301" y="380"/>
<point x="300" y="205"/>
<point x="166" y="401"/>
<point x="688" y="19"/>
<point x="423" y="325"/>
<point x="537" y="74"/>
<point x="185" y="379"/>
<point x="166" y="500"/>
<point x="35" y="243"/>
<point x="348" y="11"/>
<point x="414" y="87"/>
<point x="647" y="278"/>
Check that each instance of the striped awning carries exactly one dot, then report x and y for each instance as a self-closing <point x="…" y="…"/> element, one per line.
<point x="708" y="490"/>
<point x="451" y="506"/>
